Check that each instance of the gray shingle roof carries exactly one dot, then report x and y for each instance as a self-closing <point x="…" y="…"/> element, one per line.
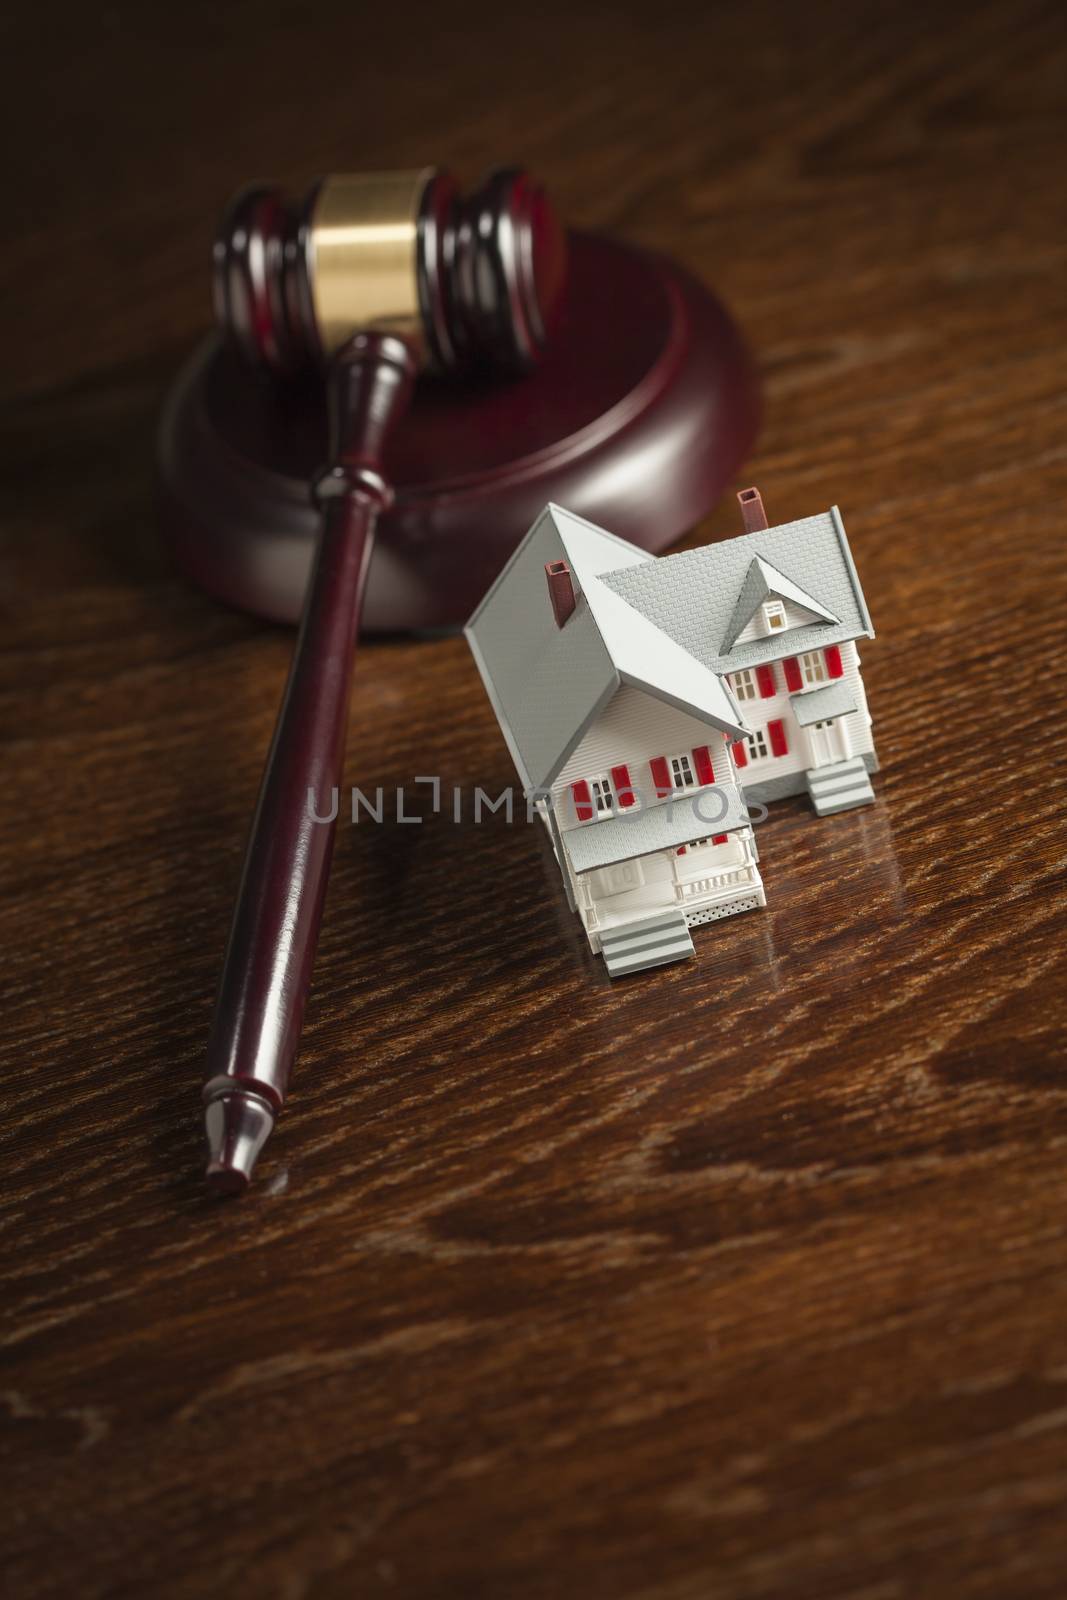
<point x="662" y="826"/>
<point x="815" y="705"/>
<point x="692" y="596"/>
<point x="547" y="684"/>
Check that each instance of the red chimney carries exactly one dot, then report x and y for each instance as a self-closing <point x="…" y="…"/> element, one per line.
<point x="560" y="590"/>
<point x="751" y="502"/>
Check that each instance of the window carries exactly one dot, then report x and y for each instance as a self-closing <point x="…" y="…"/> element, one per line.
<point x="756" y="745"/>
<point x="603" y="799"/>
<point x="773" y="615"/>
<point x="813" y="667"/>
<point x="701" y="844"/>
<point x="682" y="774"/>
<point x="743" y="684"/>
<point x="599" y="797"/>
<point x="690" y="769"/>
<point x="828" y="724"/>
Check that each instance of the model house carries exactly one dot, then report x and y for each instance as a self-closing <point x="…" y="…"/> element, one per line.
<point x="643" y="699"/>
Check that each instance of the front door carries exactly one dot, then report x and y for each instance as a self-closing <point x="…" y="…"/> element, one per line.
<point x="826" y="743"/>
<point x="616" y="880"/>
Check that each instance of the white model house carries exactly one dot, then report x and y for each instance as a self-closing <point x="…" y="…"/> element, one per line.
<point x="643" y="699"/>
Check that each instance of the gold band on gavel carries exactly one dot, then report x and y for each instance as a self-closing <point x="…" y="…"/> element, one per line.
<point x="362" y="255"/>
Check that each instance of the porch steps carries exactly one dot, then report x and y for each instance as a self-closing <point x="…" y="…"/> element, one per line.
<point x="839" y="786"/>
<point x="649" y="942"/>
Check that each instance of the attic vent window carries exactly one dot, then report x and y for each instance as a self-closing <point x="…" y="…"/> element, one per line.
<point x="774" y="615"/>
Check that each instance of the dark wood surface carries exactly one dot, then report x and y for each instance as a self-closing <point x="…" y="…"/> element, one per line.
<point x="738" y="1281"/>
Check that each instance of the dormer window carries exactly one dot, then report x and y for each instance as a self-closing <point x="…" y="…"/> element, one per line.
<point x="773" y="616"/>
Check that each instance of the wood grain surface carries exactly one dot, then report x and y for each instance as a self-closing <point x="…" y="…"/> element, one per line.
<point x="740" y="1280"/>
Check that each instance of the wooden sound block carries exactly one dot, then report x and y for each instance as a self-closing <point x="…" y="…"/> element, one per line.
<point x="643" y="409"/>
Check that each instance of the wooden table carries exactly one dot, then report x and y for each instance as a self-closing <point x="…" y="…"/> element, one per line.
<point x="742" y="1279"/>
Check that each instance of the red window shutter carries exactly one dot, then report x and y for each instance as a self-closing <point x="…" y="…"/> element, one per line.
<point x="765" y="682"/>
<point x="793" y="678"/>
<point x="740" y="750"/>
<point x="779" y="744"/>
<point x="620" y="777"/>
<point x="583" y="800"/>
<point x="660" y="776"/>
<point x="719" y="838"/>
<point x="704" y="768"/>
<point x="833" y="661"/>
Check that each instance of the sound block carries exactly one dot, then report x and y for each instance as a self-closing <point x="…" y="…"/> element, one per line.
<point x="642" y="411"/>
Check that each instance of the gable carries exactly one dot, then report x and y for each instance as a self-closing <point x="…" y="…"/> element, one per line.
<point x="630" y="731"/>
<point x="764" y="582"/>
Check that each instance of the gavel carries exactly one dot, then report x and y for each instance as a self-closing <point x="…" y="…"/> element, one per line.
<point x="372" y="278"/>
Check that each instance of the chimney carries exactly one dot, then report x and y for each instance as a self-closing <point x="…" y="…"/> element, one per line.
<point x="751" y="502"/>
<point x="560" y="590"/>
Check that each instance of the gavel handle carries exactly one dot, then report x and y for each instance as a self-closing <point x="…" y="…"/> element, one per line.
<point x="267" y="970"/>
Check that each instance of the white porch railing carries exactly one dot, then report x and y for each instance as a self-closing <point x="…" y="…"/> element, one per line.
<point x="695" y="888"/>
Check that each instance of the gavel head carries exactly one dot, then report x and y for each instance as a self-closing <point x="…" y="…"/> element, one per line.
<point x="468" y="281"/>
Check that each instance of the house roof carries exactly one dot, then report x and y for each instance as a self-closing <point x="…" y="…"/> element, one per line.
<point x="547" y="684"/>
<point x="694" y="597"/>
<point x="679" y="820"/>
<point x="816" y="705"/>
